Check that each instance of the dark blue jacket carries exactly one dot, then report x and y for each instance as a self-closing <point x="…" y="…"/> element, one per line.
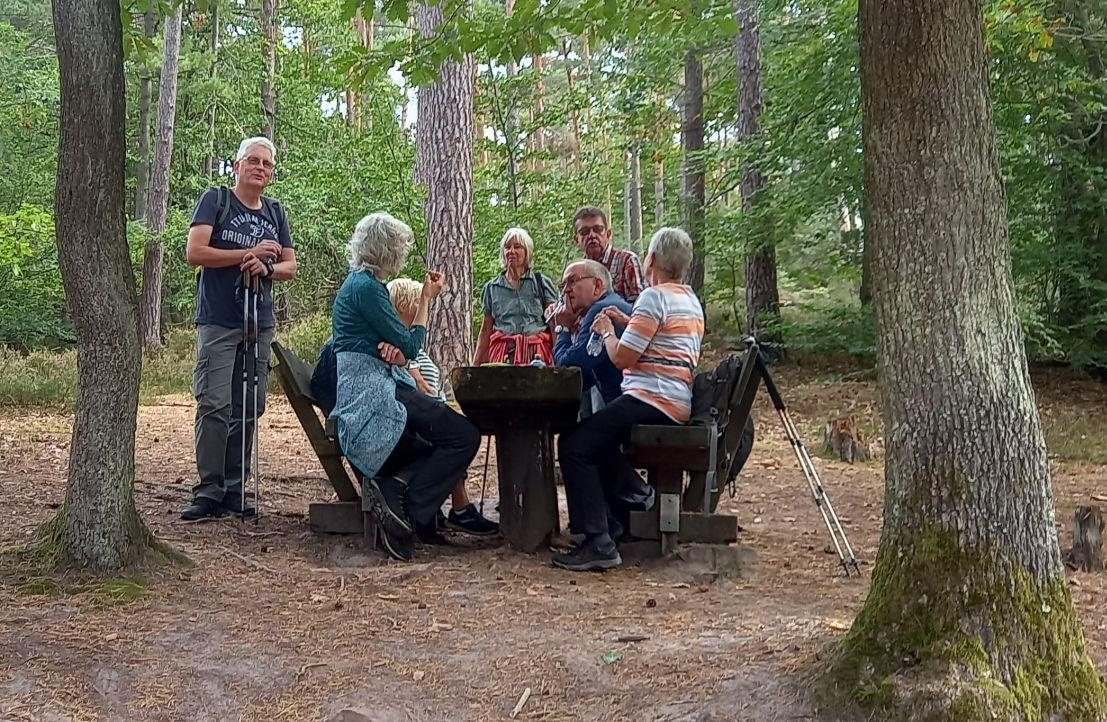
<point x="594" y="370"/>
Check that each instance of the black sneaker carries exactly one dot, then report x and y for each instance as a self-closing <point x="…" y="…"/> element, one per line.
<point x="588" y="556"/>
<point x="470" y="521"/>
<point x="389" y="495"/>
<point x="397" y="546"/>
<point x="232" y="503"/>
<point x="202" y="508"/>
<point x="440" y="521"/>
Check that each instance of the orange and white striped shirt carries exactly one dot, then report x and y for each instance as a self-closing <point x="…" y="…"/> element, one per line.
<point x="666" y="327"/>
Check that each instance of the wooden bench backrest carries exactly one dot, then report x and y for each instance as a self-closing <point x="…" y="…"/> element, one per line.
<point x="295" y="377"/>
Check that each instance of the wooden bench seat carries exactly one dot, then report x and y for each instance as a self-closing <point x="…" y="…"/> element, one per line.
<point x="668" y="452"/>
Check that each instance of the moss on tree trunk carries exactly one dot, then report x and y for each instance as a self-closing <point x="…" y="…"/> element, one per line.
<point x="949" y="633"/>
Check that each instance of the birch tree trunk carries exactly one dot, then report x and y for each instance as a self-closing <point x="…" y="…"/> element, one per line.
<point x="444" y="162"/>
<point x="97" y="527"/>
<point x="635" y="161"/>
<point x="692" y="180"/>
<point x="153" y="258"/>
<point x="969" y="615"/>
<point x="762" y="297"/>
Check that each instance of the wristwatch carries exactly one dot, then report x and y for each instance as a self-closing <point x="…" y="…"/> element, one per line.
<point x="604" y="337"/>
<point x="268" y="267"/>
<point x="561" y="329"/>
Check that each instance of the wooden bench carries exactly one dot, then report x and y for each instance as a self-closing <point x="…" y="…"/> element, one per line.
<point x="667" y="452"/>
<point x="348" y="515"/>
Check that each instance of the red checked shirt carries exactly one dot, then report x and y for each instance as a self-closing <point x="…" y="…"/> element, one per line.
<point x="626" y="272"/>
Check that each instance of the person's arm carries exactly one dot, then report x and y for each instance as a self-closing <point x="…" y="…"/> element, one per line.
<point x="575" y="353"/>
<point x="483" y="340"/>
<point x="645" y="320"/>
<point x="420" y="383"/>
<point x="378" y="313"/>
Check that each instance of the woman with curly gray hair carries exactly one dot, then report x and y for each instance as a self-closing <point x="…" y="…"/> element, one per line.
<point x="375" y="403"/>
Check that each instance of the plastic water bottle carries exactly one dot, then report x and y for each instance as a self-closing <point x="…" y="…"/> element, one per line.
<point x="537" y="361"/>
<point x="595" y="344"/>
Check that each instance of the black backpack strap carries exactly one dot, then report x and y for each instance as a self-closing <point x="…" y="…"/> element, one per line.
<point x="224" y="205"/>
<point x="275" y="211"/>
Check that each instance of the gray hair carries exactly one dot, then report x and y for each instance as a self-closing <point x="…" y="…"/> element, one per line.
<point x="671" y="249"/>
<point x="245" y="146"/>
<point x="595" y="269"/>
<point x="380" y="243"/>
<point x="524" y="239"/>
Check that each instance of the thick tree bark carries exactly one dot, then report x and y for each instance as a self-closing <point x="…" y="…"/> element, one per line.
<point x="211" y="161"/>
<point x="153" y="260"/>
<point x="762" y="296"/>
<point x="269" y="48"/>
<point x="692" y="181"/>
<point x="98" y="525"/>
<point x="142" y="176"/>
<point x="444" y="162"/>
<point x="969" y="616"/>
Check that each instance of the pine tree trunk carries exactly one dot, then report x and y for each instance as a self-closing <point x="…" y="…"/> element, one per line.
<point x="692" y="182"/>
<point x="211" y="161"/>
<point x="152" y="264"/>
<point x="269" y="48"/>
<point x="762" y="298"/>
<point x="968" y="616"/>
<point x="444" y="162"/>
<point x="142" y="176"/>
<point x="98" y="524"/>
<point x="574" y="143"/>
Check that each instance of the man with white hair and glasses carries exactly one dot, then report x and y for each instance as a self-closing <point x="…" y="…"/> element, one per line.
<point x="235" y="231"/>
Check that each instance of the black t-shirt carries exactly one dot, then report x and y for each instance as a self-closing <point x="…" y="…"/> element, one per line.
<point x="217" y="299"/>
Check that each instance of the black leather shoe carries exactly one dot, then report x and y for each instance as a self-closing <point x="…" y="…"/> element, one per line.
<point x="202" y="508"/>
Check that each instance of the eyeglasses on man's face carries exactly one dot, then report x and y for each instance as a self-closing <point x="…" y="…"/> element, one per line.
<point x="254" y="161"/>
<point x="585" y="231"/>
<point x="572" y="281"/>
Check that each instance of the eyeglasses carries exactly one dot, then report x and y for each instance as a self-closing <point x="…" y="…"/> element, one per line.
<point x="572" y="280"/>
<point x="583" y="231"/>
<point x="254" y="161"/>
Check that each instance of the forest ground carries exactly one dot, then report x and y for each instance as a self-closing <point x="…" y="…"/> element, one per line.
<point x="277" y="623"/>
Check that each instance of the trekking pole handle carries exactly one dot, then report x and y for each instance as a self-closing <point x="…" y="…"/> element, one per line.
<point x="774" y="394"/>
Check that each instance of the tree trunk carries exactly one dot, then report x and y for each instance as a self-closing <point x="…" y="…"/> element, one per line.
<point x="692" y="180"/>
<point x="659" y="190"/>
<point x="142" y="176"/>
<point x="968" y="616"/>
<point x="574" y="143"/>
<point x="444" y="162"/>
<point x="539" y="108"/>
<point x="98" y="526"/>
<point x="269" y="48"/>
<point x="635" y="195"/>
<point x="762" y="298"/>
<point x="211" y="161"/>
<point x="152" y="263"/>
<point x="405" y="97"/>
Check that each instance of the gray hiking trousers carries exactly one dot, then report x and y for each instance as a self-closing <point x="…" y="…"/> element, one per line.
<point x="217" y="386"/>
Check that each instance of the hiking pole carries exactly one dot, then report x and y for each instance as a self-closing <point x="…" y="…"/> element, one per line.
<point x="256" y="283"/>
<point x="846" y="557"/>
<point x="245" y="376"/>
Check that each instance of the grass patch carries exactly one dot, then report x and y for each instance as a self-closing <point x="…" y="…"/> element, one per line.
<point x="1075" y="435"/>
<point x="48" y="379"/>
<point x="120" y="590"/>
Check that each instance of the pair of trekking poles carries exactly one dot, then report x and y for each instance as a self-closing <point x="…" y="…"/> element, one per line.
<point x="846" y="558"/>
<point x="251" y="291"/>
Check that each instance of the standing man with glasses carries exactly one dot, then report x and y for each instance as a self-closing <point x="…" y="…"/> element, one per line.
<point x="235" y="231"/>
<point x="593" y="234"/>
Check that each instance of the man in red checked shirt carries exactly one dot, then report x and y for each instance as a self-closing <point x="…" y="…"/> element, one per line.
<point x="593" y="235"/>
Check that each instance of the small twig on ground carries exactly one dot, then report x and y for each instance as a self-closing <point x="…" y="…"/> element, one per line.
<point x="250" y="561"/>
<point x="522" y="701"/>
<point x="305" y="667"/>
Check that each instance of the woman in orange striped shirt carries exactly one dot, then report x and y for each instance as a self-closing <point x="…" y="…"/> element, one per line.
<point x="658" y="353"/>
